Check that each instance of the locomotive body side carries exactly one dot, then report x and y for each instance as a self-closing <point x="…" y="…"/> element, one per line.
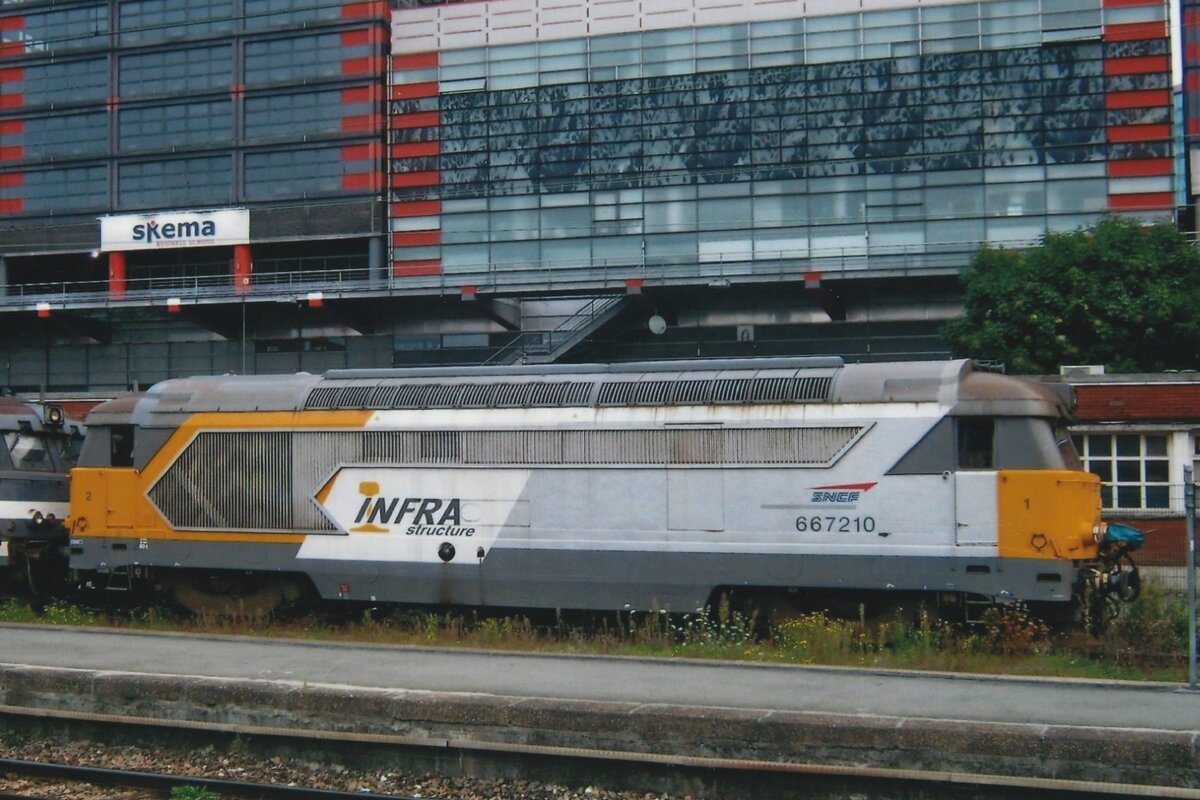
<point x="926" y="478"/>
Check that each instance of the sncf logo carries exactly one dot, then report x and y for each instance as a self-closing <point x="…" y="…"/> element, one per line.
<point x="840" y="493"/>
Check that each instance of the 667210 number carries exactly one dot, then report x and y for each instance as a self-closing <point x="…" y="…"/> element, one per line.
<point x="832" y="524"/>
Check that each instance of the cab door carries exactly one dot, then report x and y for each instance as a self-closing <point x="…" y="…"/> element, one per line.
<point x="975" y="515"/>
<point x="975" y="510"/>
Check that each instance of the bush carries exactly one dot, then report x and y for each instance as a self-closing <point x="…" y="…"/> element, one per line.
<point x="1153" y="628"/>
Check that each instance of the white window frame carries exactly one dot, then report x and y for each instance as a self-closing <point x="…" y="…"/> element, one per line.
<point x="1180" y="450"/>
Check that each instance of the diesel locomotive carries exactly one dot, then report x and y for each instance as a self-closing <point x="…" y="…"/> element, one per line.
<point x="649" y="486"/>
<point x="40" y="446"/>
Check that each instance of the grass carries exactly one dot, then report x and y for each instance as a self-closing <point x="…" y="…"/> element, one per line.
<point x="1148" y="641"/>
<point x="193" y="793"/>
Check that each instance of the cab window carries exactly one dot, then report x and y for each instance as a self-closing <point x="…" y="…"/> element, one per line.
<point x="976" y="443"/>
<point x="28" y="451"/>
<point x="121" y="446"/>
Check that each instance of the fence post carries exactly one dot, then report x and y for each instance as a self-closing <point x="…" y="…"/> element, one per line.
<point x="1189" y="497"/>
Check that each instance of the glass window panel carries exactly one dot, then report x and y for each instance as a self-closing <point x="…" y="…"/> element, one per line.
<point x="290" y="60"/>
<point x="463" y="258"/>
<point x="670" y="245"/>
<point x="669" y="217"/>
<point x="777" y="27"/>
<point x="506" y="255"/>
<point x="567" y="253"/>
<point x="1077" y="196"/>
<point x="1129" y="496"/>
<point x="1016" y="231"/>
<point x="1129" y="446"/>
<point x="968" y="232"/>
<point x="61" y="136"/>
<point x="61" y="30"/>
<point x="612" y="250"/>
<point x="176" y="182"/>
<point x="1063" y="19"/>
<point x="64" y="82"/>
<point x="266" y="14"/>
<point x="1156" y="471"/>
<point x="79" y="188"/>
<point x="668" y="36"/>
<point x="176" y="125"/>
<point x="163" y="72"/>
<point x="287" y="173"/>
<point x="566" y="222"/>
<point x="1156" y="445"/>
<point x="1157" y="497"/>
<point x="1129" y="471"/>
<point x="725" y="212"/>
<point x="899" y="25"/>
<point x="148" y="21"/>
<point x="952" y="201"/>
<point x="782" y="243"/>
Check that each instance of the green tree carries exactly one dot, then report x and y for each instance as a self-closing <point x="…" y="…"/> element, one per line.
<point x="1122" y="294"/>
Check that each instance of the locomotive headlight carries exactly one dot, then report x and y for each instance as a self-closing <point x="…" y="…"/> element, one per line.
<point x="54" y="417"/>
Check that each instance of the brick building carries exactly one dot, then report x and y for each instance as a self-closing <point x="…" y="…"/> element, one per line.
<point x="1138" y="432"/>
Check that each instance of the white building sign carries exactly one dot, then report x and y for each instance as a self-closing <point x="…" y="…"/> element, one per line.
<point x="228" y="226"/>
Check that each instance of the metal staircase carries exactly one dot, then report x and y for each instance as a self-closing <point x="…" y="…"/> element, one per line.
<point x="543" y="347"/>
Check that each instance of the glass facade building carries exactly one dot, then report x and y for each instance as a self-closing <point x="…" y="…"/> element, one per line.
<point x="691" y="141"/>
<point x="147" y="105"/>
<point x="422" y="180"/>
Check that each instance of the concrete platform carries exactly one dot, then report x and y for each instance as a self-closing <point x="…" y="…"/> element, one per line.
<point x="1059" y="729"/>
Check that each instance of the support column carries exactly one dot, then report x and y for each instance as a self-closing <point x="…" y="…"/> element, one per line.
<point x="3" y="277"/>
<point x="377" y="264"/>
<point x="116" y="275"/>
<point x="242" y="268"/>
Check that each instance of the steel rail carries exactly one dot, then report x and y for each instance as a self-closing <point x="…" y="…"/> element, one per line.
<point x="99" y="776"/>
<point x="1006" y="785"/>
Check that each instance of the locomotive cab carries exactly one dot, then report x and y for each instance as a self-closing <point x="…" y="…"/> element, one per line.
<point x="40" y="447"/>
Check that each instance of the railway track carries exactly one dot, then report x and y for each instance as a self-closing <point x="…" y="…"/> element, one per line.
<point x="163" y="785"/>
<point x="695" y="776"/>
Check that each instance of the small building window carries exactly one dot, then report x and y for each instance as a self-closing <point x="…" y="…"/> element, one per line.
<point x="1134" y="469"/>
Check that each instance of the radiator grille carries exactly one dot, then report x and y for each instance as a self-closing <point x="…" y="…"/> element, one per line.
<point x="543" y="394"/>
<point x="451" y="395"/>
<point x="266" y="481"/>
<point x="722" y="391"/>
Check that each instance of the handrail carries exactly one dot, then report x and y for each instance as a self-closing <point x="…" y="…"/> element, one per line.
<point x="359" y="280"/>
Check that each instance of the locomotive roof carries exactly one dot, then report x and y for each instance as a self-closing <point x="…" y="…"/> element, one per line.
<point x="960" y="385"/>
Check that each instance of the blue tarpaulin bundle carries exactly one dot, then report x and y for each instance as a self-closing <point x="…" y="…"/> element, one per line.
<point x="1132" y="538"/>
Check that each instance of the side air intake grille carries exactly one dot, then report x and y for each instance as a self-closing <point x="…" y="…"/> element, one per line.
<point x="265" y="482"/>
<point x="229" y="481"/>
